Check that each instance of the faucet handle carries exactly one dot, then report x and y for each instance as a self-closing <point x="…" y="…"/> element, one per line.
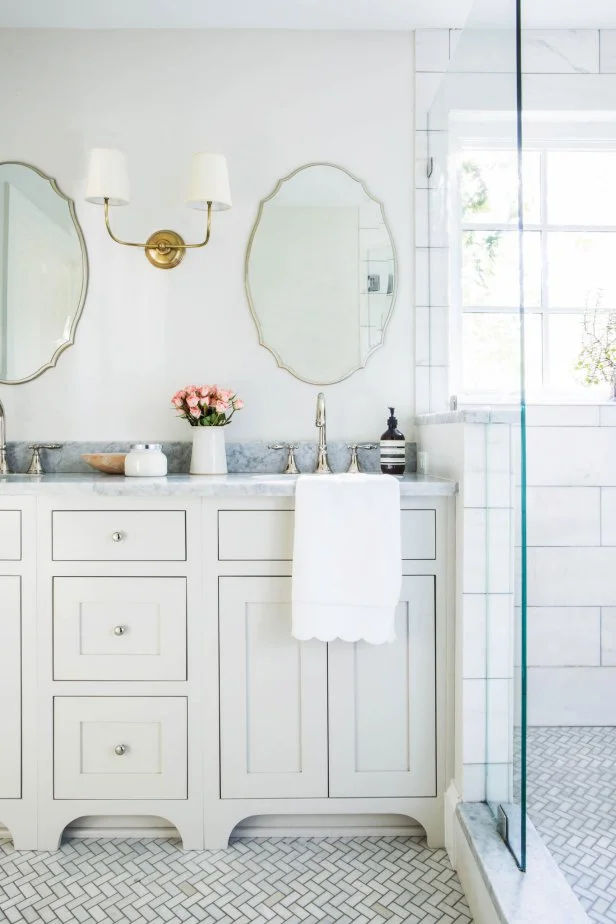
<point x="36" y="467"/>
<point x="291" y="466"/>
<point x="354" y="468"/>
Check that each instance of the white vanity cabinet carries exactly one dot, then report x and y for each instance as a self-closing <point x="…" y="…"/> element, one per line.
<point x="148" y="671"/>
<point x="10" y="686"/>
<point x="273" y="695"/>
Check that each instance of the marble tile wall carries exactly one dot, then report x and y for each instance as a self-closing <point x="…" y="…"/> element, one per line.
<point x="252" y="456"/>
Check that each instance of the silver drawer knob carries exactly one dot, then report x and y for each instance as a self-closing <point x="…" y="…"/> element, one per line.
<point x="120" y="749"/>
<point x="117" y="537"/>
<point x="119" y="630"/>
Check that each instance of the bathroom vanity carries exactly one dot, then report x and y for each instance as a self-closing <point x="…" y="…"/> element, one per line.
<point x="148" y="666"/>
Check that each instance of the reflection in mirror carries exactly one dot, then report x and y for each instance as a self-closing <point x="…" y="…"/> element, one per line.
<point x="321" y="274"/>
<point x="43" y="272"/>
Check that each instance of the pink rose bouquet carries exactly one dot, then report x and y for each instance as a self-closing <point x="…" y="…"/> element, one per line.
<point x="206" y="405"/>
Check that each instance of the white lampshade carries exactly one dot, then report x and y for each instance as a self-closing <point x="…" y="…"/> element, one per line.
<point x="209" y="182"/>
<point x="107" y="177"/>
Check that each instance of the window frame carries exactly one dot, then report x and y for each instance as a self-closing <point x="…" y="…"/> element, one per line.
<point x="542" y="136"/>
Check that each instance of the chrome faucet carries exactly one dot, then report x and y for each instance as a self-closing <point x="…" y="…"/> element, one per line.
<point x="322" y="462"/>
<point x="4" y="464"/>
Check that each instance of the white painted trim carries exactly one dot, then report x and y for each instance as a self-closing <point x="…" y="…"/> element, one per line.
<point x="286" y="826"/>
<point x="452" y="797"/>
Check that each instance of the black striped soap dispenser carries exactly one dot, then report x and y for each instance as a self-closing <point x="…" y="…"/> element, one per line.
<point x="393" y="448"/>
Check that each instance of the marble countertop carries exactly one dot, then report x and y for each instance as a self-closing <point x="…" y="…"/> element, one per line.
<point x="236" y="485"/>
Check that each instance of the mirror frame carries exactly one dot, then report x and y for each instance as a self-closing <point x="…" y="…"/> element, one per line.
<point x="84" y="265"/>
<point x="281" y="364"/>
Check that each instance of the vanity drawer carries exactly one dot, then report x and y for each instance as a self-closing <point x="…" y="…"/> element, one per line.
<point x="10" y="535"/>
<point x="119" y="535"/>
<point x="124" y="747"/>
<point x="126" y="628"/>
<point x="255" y="535"/>
<point x="418" y="535"/>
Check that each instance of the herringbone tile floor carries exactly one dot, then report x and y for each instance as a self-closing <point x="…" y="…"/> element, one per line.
<point x="384" y="880"/>
<point x="572" y="803"/>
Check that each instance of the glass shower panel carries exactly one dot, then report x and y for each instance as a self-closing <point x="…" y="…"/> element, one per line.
<point x="481" y="190"/>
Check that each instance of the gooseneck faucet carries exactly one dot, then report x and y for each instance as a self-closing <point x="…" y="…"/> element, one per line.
<point x="322" y="461"/>
<point x="4" y="465"/>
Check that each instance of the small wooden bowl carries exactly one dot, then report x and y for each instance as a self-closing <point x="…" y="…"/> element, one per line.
<point x="111" y="463"/>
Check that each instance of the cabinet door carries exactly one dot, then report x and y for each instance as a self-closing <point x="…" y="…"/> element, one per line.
<point x="10" y="687"/>
<point x="382" y="707"/>
<point x="273" y="695"/>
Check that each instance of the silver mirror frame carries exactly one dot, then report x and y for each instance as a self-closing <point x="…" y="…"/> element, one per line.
<point x="281" y="364"/>
<point x="84" y="264"/>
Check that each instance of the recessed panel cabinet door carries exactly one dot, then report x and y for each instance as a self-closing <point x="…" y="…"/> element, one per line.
<point x="273" y="695"/>
<point x="10" y="687"/>
<point x="382" y="709"/>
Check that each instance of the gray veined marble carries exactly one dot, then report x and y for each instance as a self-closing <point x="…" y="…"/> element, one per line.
<point x="234" y="485"/>
<point x="254" y="456"/>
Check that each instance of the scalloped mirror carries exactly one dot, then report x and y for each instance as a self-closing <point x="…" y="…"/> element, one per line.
<point x="321" y="273"/>
<point x="43" y="272"/>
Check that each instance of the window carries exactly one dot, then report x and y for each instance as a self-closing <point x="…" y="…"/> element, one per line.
<point x="569" y="246"/>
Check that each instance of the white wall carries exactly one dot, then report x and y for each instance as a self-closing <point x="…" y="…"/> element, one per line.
<point x="270" y="101"/>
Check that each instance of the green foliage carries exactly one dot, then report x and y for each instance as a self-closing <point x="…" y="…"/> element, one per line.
<point x="597" y="359"/>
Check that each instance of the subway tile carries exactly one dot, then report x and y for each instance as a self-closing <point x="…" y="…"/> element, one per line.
<point x="474" y="552"/>
<point x="499" y="782"/>
<point x="475" y="449"/>
<point x="438" y="151"/>
<point x="422" y="232"/>
<point x="500" y="635"/>
<point x="571" y="696"/>
<point x="438" y="219"/>
<point x="422" y="180"/>
<point x="564" y="636"/>
<point x="563" y="456"/>
<point x="498" y="448"/>
<point x="439" y="388"/>
<point x="571" y="576"/>
<point x="474" y="615"/>
<point x="439" y="277"/>
<point x="475" y="489"/>
<point x="474" y="721"/>
<point x="608" y="635"/>
<point x="560" y="51"/>
<point x="500" y="551"/>
<point x="422" y="336"/>
<point x="607" y="415"/>
<point x="474" y="783"/>
<point x="499" y="721"/>
<point x="432" y="50"/>
<point x="564" y="516"/>
<point x="422" y="389"/>
<point x="608" y="516"/>
<point x="608" y="51"/>
<point x="498" y="489"/>
<point x="439" y="336"/>
<point x="563" y="415"/>
<point x="422" y="276"/>
<point x="426" y="88"/>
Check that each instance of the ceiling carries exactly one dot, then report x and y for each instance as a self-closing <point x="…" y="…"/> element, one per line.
<point x="233" y="14"/>
<point x="301" y="14"/>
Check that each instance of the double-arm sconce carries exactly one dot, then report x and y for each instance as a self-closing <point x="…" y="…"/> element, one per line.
<point x="107" y="184"/>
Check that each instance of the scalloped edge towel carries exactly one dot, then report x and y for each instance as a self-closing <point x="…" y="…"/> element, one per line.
<point x="347" y="558"/>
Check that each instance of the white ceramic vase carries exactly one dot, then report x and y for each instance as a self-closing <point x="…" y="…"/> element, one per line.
<point x="209" y="455"/>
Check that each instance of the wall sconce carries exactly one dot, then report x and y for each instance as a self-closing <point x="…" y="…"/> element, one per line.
<point x="107" y="185"/>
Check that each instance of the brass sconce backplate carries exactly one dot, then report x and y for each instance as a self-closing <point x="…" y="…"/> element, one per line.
<point x="165" y="249"/>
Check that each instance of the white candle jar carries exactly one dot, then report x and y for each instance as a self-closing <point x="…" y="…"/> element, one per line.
<point x="146" y="460"/>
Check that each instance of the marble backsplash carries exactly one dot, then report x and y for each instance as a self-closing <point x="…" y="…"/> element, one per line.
<point x="252" y="456"/>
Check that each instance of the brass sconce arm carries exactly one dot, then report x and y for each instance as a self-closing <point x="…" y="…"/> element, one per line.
<point x="164" y="249"/>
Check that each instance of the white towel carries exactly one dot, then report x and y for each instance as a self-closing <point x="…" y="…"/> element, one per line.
<point x="347" y="568"/>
